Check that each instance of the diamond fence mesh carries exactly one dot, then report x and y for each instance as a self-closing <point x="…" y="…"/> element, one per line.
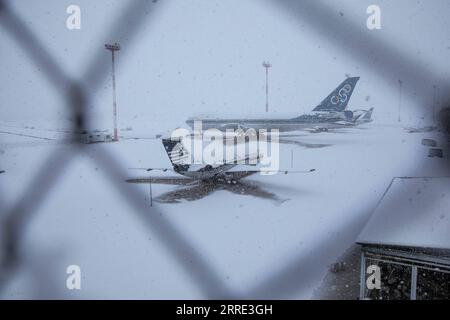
<point x="77" y="94"/>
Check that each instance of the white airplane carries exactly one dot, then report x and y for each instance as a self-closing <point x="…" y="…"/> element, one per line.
<point x="205" y="179"/>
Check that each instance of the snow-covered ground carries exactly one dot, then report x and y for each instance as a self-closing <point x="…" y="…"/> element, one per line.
<point x="258" y="248"/>
<point x="183" y="58"/>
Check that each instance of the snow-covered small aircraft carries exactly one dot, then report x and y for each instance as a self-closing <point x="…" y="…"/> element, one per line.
<point x="202" y="180"/>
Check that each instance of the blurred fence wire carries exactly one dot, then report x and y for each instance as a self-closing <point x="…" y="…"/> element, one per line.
<point x="77" y="95"/>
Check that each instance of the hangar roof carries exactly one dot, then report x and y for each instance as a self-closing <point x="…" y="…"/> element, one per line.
<point x="413" y="212"/>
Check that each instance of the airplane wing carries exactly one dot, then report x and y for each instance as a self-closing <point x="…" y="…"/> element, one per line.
<point x="250" y="189"/>
<point x="246" y="173"/>
<point x="191" y="193"/>
<point x="152" y="169"/>
<point x="317" y="129"/>
<point x="251" y="157"/>
<point x="304" y="144"/>
<point x="288" y="171"/>
<point x="179" y="181"/>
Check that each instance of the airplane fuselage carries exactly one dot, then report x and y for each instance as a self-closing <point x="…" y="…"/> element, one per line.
<point x="306" y="121"/>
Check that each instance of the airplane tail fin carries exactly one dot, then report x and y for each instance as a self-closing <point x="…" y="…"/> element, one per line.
<point x="368" y="115"/>
<point x="338" y="99"/>
<point x="176" y="151"/>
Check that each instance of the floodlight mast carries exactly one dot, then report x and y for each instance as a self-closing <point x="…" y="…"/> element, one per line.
<point x="400" y="84"/>
<point x="267" y="65"/>
<point x="113" y="48"/>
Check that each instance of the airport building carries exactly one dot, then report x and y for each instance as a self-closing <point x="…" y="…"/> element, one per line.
<point x="405" y="245"/>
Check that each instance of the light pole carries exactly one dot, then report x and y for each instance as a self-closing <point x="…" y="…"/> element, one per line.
<point x="436" y="102"/>
<point x="267" y="65"/>
<point x="113" y="48"/>
<point x="400" y="83"/>
<point x="151" y="195"/>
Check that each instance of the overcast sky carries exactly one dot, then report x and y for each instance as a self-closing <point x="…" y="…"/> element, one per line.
<point x="204" y="57"/>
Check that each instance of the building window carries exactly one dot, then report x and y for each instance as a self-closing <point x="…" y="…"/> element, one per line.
<point x="432" y="284"/>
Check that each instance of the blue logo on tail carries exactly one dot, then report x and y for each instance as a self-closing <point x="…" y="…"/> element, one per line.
<point x="339" y="98"/>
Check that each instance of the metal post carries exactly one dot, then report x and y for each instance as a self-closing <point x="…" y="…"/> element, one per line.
<point x="151" y="196"/>
<point x="114" y="96"/>
<point x="400" y="100"/>
<point x="292" y="158"/>
<point x="362" y="277"/>
<point x="438" y="98"/>
<point x="113" y="48"/>
<point x="267" y="89"/>
<point x="267" y="65"/>
<point x="413" y="282"/>
<point x="434" y="104"/>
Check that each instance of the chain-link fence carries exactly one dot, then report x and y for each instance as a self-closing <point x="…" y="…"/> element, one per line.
<point x="77" y="94"/>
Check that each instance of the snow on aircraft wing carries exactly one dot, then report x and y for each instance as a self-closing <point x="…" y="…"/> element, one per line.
<point x="162" y="180"/>
<point x="152" y="169"/>
<point x="262" y="170"/>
